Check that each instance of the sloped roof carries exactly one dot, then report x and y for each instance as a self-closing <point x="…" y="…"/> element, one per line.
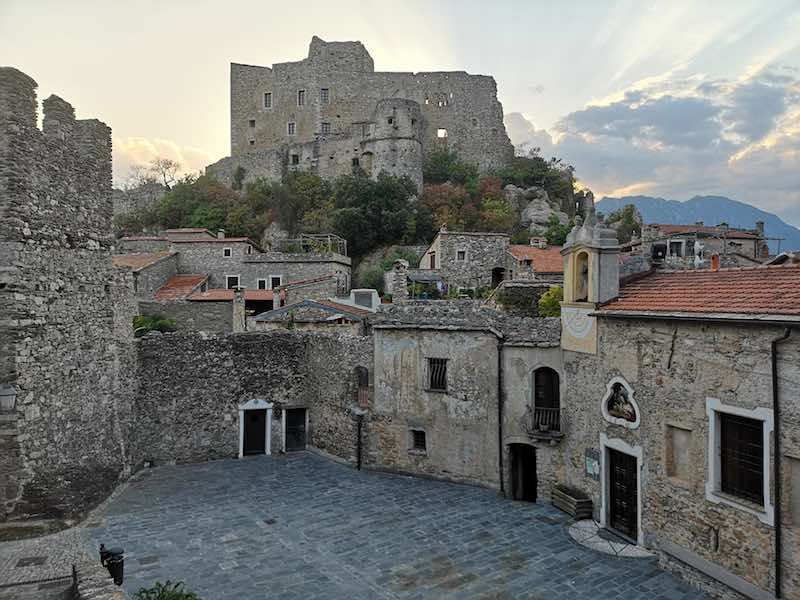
<point x="545" y="260"/>
<point x="765" y="290"/>
<point x="143" y="238"/>
<point x="179" y="287"/>
<point x="311" y="311"/>
<point x="223" y="295"/>
<point x="138" y="260"/>
<point x="346" y="308"/>
<point x="670" y="229"/>
<point x="302" y="282"/>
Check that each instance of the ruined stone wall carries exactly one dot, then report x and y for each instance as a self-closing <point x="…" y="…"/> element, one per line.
<point x="138" y="198"/>
<point x="266" y="164"/>
<point x="673" y="367"/>
<point x="64" y="348"/>
<point x="211" y="317"/>
<point x="460" y="424"/>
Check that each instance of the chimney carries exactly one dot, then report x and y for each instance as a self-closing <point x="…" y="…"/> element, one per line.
<point x="715" y="262"/>
<point x="239" y="316"/>
<point x="699" y="223"/>
<point x="221" y="234"/>
<point x="400" y="283"/>
<point x="760" y="228"/>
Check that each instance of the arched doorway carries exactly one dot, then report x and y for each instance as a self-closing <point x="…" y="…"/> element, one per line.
<point x="523" y="472"/>
<point x="498" y="274"/>
<point x="546" y="400"/>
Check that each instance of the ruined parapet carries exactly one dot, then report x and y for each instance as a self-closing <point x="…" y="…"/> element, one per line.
<point x="17" y="97"/>
<point x="59" y="117"/>
<point x="400" y="280"/>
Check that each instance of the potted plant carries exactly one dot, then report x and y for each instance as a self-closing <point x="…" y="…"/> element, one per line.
<point x="572" y="501"/>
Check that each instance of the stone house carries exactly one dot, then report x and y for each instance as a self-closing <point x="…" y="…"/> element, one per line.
<point x="678" y="245"/>
<point x="683" y="413"/>
<point x="536" y="261"/>
<point x="311" y="315"/>
<point x="331" y="113"/>
<point x="151" y="270"/>
<point x="467" y="259"/>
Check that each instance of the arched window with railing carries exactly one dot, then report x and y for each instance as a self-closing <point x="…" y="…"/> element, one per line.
<point x="546" y="400"/>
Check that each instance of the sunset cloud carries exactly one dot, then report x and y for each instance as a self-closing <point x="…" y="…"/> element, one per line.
<point x="135" y="151"/>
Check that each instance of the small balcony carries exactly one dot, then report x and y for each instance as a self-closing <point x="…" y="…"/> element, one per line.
<point x="544" y="424"/>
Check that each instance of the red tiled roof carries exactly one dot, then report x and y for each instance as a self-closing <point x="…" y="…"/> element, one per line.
<point x="138" y="260"/>
<point x="189" y="230"/>
<point x="747" y="290"/>
<point x="143" y="238"/>
<point x="222" y="295"/>
<point x="669" y="229"/>
<point x="345" y="307"/>
<point x="307" y="281"/>
<point x="179" y="287"/>
<point x="545" y="260"/>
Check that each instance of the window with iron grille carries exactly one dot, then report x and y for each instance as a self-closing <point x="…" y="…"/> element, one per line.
<point x="741" y="457"/>
<point x="418" y="441"/>
<point x="290" y="128"/>
<point x="267" y="99"/>
<point x="326" y="128"/>
<point x="324" y="95"/>
<point x="301" y="97"/>
<point x="437" y="374"/>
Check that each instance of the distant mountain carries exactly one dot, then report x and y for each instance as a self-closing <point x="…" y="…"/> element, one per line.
<point x="712" y="210"/>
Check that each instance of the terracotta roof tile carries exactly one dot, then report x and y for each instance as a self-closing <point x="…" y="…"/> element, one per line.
<point x="222" y="295"/>
<point x="138" y="260"/>
<point x="773" y="290"/>
<point x="545" y="260"/>
<point x="179" y="287"/>
<point x="143" y="238"/>
<point x="670" y="229"/>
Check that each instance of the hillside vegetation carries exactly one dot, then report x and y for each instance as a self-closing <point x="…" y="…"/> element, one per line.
<point x="368" y="213"/>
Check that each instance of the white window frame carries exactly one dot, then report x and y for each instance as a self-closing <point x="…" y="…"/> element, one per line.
<point x="227" y="252"/>
<point x="238" y="281"/>
<point x="258" y="283"/>
<point x="278" y="277"/>
<point x="714" y="407"/>
<point x="268" y="107"/>
<point x="291" y="128"/>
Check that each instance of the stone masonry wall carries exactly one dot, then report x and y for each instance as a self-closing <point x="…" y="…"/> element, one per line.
<point x="211" y="317"/>
<point x="150" y="278"/>
<point x="484" y="252"/>
<point x="673" y="367"/>
<point x="65" y="445"/>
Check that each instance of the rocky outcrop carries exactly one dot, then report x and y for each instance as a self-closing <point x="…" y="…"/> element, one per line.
<point x="535" y="207"/>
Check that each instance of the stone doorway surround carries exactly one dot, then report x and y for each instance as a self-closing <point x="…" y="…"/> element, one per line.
<point x="607" y="443"/>
<point x="256" y="404"/>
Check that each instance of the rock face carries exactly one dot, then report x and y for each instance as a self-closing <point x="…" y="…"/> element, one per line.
<point x="535" y="207"/>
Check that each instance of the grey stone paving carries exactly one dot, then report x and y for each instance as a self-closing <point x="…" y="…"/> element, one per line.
<point x="300" y="526"/>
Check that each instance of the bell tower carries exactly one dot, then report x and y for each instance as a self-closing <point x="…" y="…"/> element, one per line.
<point x="591" y="277"/>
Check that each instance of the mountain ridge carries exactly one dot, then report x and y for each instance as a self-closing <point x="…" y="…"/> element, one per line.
<point x="712" y="210"/>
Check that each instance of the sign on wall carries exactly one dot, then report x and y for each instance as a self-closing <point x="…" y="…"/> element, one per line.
<point x="592" y="460"/>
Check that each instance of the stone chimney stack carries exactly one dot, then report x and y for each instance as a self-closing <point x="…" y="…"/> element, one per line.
<point x="239" y="315"/>
<point x="221" y="234"/>
<point x="400" y="281"/>
<point x="760" y="228"/>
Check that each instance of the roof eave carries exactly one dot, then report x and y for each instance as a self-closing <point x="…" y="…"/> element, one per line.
<point x="692" y="316"/>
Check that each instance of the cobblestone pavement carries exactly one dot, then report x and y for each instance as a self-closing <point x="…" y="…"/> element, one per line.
<point x="300" y="526"/>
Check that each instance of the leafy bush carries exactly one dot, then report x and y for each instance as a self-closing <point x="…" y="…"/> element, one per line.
<point x="143" y="324"/>
<point x="443" y="166"/>
<point x="555" y="232"/>
<point x="165" y="591"/>
<point x="550" y="302"/>
<point x="628" y="224"/>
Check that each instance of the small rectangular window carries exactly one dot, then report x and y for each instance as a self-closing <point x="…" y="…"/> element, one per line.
<point x="461" y="255"/>
<point x="365" y="130"/>
<point x="249" y="249"/>
<point x="290" y="127"/>
<point x="418" y="441"/>
<point x="267" y="99"/>
<point x="227" y="252"/>
<point x="441" y="133"/>
<point x="326" y="128"/>
<point x="232" y="281"/>
<point x="324" y="95"/>
<point x="295" y="159"/>
<point x="390" y="121"/>
<point x="437" y="374"/>
<point x="262" y="284"/>
<point x="252" y="123"/>
<point x="301" y="97"/>
<point x="252" y="142"/>
<point x="275" y="281"/>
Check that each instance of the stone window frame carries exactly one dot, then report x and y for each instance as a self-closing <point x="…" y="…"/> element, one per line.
<point x="301" y="97"/>
<point x="280" y="281"/>
<point x="677" y="481"/>
<point x="238" y="281"/>
<point x="714" y="406"/>
<point x="251" y="123"/>
<point x="291" y="128"/>
<point x="227" y="252"/>
<point x="413" y="438"/>
<point x="268" y="101"/>
<point x="259" y="281"/>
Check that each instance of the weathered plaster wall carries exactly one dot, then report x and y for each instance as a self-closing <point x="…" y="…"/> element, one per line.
<point x="460" y="424"/>
<point x="65" y="445"/>
<point x="673" y="368"/>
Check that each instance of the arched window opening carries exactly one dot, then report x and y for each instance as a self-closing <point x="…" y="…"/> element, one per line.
<point x="546" y="400"/>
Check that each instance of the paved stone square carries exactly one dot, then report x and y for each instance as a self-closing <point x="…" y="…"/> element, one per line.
<point x="301" y="526"/>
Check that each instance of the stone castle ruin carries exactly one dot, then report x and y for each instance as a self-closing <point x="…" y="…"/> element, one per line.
<point x="331" y="113"/>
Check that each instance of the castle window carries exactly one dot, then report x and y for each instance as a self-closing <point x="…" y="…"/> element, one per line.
<point x="354" y="162"/>
<point x="474" y="122"/>
<point x="291" y="127"/>
<point x="324" y="96"/>
<point x="252" y="142"/>
<point x="418" y="441"/>
<point x="390" y="121"/>
<point x="326" y="128"/>
<point x="267" y="99"/>
<point x="249" y="249"/>
<point x="295" y="159"/>
<point x="275" y="281"/>
<point x="437" y="374"/>
<point x="413" y="122"/>
<point x="252" y="123"/>
<point x="301" y="97"/>
<point x="441" y="133"/>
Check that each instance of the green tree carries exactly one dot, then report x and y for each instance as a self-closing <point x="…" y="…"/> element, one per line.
<point x="550" y="302"/>
<point x="555" y="232"/>
<point x="442" y="166"/>
<point x="628" y="224"/>
<point x="557" y="178"/>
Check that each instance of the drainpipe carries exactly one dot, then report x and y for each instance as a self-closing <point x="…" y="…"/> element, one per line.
<point x="776" y="438"/>
<point x="500" y="396"/>
<point x="360" y="421"/>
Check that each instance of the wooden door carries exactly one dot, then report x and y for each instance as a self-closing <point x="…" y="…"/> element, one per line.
<point x="255" y="432"/>
<point x="623" y="493"/>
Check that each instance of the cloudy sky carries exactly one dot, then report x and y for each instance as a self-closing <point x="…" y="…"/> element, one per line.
<point x="665" y="98"/>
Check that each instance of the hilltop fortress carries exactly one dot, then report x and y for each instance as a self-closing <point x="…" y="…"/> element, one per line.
<point x="331" y="113"/>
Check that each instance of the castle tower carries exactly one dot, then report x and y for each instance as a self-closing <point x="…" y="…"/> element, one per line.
<point x="395" y="145"/>
<point x="591" y="277"/>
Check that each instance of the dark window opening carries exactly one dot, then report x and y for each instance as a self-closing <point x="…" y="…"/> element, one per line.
<point x="354" y="162"/>
<point x="326" y="128"/>
<point x="324" y="95"/>
<point x="267" y="99"/>
<point x="232" y="281"/>
<point x="274" y="282"/>
<point x="301" y="97"/>
<point x="418" y="441"/>
<point x="262" y="284"/>
<point x="742" y="457"/>
<point x="390" y="121"/>
<point x="252" y="142"/>
<point x="226" y="252"/>
<point x="546" y="400"/>
<point x="461" y="255"/>
<point x="676" y="249"/>
<point x="474" y="122"/>
<point x="252" y="123"/>
<point x="295" y="159"/>
<point x="437" y="374"/>
<point x="290" y="128"/>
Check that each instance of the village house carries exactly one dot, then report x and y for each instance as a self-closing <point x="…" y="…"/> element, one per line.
<point x="467" y="259"/>
<point x="536" y="260"/>
<point x="682" y="413"/>
<point x="312" y="315"/>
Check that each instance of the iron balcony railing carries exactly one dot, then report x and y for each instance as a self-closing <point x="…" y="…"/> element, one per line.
<point x="544" y="423"/>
